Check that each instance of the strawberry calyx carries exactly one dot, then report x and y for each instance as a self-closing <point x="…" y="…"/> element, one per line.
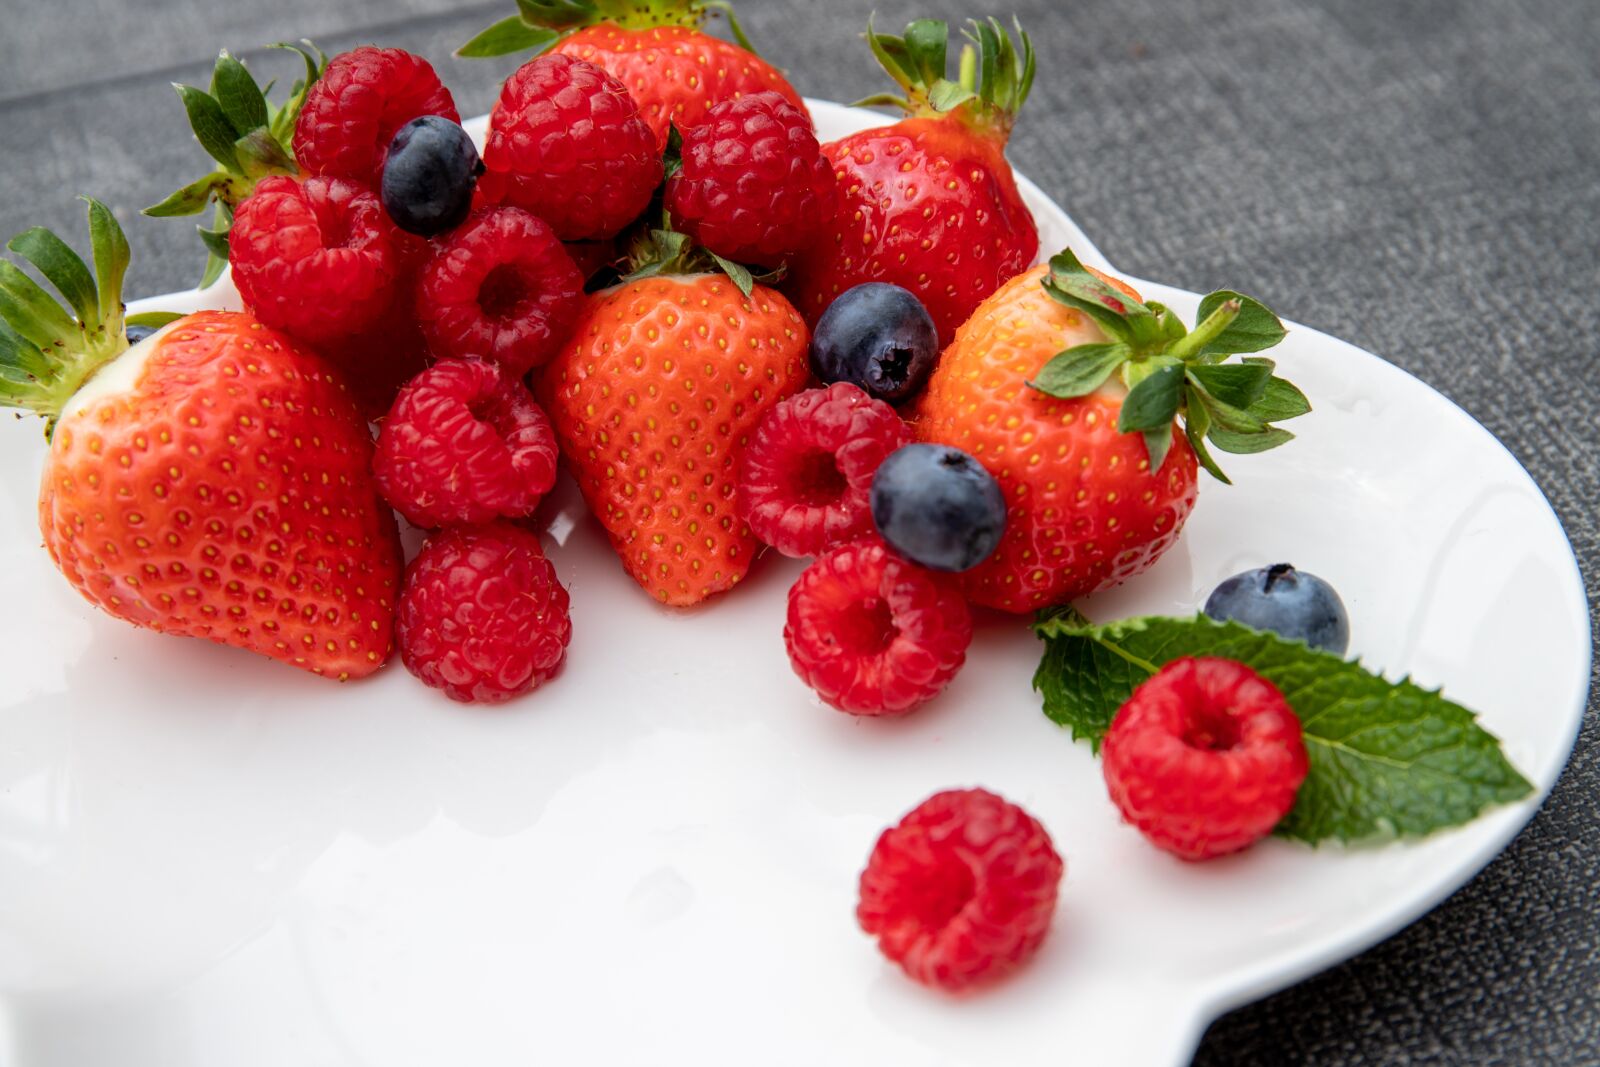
<point x="49" y="348"/>
<point x="1172" y="372"/>
<point x="248" y="137"/>
<point x="994" y="74"/>
<point x="539" y="25"/>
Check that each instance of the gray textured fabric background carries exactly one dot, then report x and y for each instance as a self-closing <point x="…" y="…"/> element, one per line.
<point x="1421" y="177"/>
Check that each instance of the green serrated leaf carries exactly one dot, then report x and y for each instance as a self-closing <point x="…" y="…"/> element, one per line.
<point x="237" y="93"/>
<point x="1081" y="370"/>
<point x="947" y="95"/>
<point x="507" y="36"/>
<point x="1154" y="402"/>
<point x="216" y="241"/>
<point x="1157" y="443"/>
<point x="261" y="155"/>
<point x="736" y="273"/>
<point x="62" y="267"/>
<point x="191" y="199"/>
<point x="211" y="127"/>
<point x="1196" y="424"/>
<point x="153" y="319"/>
<point x="926" y="41"/>
<point x="1278" y="401"/>
<point x="1172" y="326"/>
<point x="1244" y="444"/>
<point x="1225" y="415"/>
<point x="109" y="246"/>
<point x="1238" y="384"/>
<point x="1255" y="328"/>
<point x="1386" y="759"/>
<point x="1070" y="283"/>
<point x="215" y="265"/>
<point x="31" y="311"/>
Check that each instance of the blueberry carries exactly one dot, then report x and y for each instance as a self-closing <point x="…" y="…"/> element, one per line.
<point x="429" y="174"/>
<point x="937" y="506"/>
<point x="138" y="333"/>
<point x="1290" y="603"/>
<point x="877" y="336"/>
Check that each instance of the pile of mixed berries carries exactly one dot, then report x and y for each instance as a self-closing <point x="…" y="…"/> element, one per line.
<point x="733" y="337"/>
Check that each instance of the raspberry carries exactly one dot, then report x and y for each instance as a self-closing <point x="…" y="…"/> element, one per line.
<point x="354" y="110"/>
<point x="378" y="361"/>
<point x="805" y="478"/>
<point x="874" y="634"/>
<point x="319" y="258"/>
<point x="481" y="614"/>
<point x="754" y="186"/>
<point x="962" y="890"/>
<point x="500" y="287"/>
<point x="1204" y="758"/>
<point x="464" y="443"/>
<point x="567" y="143"/>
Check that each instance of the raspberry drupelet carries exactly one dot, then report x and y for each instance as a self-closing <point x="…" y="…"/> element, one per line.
<point x="962" y="890"/>
<point x="1204" y="758"/>
<point x="464" y="443"/>
<point x="482" y="615"/>
<point x="805" y="478"/>
<point x="754" y="186"/>
<point x="874" y="634"/>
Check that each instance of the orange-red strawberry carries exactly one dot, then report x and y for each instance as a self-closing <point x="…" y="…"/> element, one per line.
<point x="653" y="47"/>
<point x="1098" y="481"/>
<point x="212" y="481"/>
<point x="664" y="380"/>
<point x="929" y="203"/>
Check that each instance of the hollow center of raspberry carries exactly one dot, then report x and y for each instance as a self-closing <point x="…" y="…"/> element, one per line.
<point x="503" y="292"/>
<point x="1211" y="730"/>
<point x="817" y="478"/>
<point x="939" y="893"/>
<point x="867" y="628"/>
<point x="335" y="228"/>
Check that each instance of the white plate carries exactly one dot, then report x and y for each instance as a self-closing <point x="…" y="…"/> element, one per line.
<point x="207" y="858"/>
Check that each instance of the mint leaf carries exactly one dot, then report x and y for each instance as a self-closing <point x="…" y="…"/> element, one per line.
<point x="1387" y="759"/>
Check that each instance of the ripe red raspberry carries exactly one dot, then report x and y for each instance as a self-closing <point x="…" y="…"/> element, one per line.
<point x="464" y="443"/>
<point x="481" y="614"/>
<point x="502" y="287"/>
<point x="805" y="478"/>
<point x="754" y="186"/>
<point x="962" y="890"/>
<point x="353" y="111"/>
<point x="376" y="362"/>
<point x="318" y="259"/>
<point x="1204" y="758"/>
<point x="567" y="143"/>
<point x="874" y="634"/>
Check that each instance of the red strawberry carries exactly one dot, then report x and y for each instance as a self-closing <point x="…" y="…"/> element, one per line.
<point x="929" y="203"/>
<point x="753" y="187"/>
<point x="358" y="104"/>
<point x="654" y="47"/>
<point x="660" y="387"/>
<point x="1082" y="441"/>
<point x="211" y="482"/>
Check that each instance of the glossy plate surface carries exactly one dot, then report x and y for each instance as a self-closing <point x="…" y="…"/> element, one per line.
<point x="207" y="858"/>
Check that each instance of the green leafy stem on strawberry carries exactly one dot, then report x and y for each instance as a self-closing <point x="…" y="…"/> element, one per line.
<point x="539" y="25"/>
<point x="49" y="349"/>
<point x="1387" y="759"/>
<point x="1174" y="373"/>
<point x="917" y="62"/>
<point x="249" y="137"/>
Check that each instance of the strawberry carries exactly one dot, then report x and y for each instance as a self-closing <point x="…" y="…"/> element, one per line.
<point x="249" y="138"/>
<point x="929" y="203"/>
<point x="663" y="382"/>
<point x="212" y="481"/>
<point x="1097" y="482"/>
<point x="654" y="47"/>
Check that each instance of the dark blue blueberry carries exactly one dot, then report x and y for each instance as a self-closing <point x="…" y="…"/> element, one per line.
<point x="1290" y="603"/>
<point x="937" y="506"/>
<point x="877" y="336"/>
<point x="429" y="174"/>
<point x="138" y="333"/>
